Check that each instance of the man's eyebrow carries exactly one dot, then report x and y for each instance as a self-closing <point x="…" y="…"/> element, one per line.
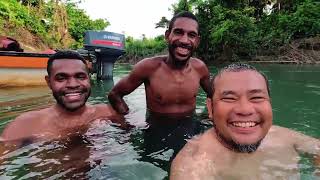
<point x="228" y="92"/>
<point x="255" y="91"/>
<point x="61" y="74"/>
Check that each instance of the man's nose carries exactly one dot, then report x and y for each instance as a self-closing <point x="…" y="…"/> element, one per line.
<point x="184" y="38"/>
<point x="244" y="107"/>
<point x="73" y="82"/>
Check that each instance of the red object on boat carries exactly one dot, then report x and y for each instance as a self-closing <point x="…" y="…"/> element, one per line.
<point x="48" y="51"/>
<point x="9" y="44"/>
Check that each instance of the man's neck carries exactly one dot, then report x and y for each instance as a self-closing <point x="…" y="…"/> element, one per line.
<point x="64" y="112"/>
<point x="70" y="119"/>
<point x="176" y="64"/>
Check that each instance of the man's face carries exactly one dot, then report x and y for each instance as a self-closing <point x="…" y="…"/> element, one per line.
<point x="241" y="108"/>
<point x="183" y="38"/>
<point x="70" y="83"/>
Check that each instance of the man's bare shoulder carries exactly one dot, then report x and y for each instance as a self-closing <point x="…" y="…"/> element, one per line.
<point x="301" y="142"/>
<point x="104" y="109"/>
<point x="106" y="112"/>
<point x="194" y="161"/>
<point x="197" y="63"/>
<point x="198" y="145"/>
<point x="22" y="124"/>
<point x="278" y="132"/>
<point x="151" y="63"/>
<point x="199" y="66"/>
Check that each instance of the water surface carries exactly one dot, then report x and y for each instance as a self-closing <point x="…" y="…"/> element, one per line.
<point x="108" y="152"/>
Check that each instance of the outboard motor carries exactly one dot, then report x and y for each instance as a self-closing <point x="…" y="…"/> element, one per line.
<point x="107" y="47"/>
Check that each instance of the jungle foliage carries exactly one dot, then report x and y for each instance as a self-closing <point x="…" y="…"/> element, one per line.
<point x="59" y="24"/>
<point x="136" y="49"/>
<point x="241" y="29"/>
<point x="233" y="30"/>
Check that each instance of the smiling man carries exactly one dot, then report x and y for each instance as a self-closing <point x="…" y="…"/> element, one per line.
<point x="171" y="82"/>
<point x="243" y="144"/>
<point x="69" y="82"/>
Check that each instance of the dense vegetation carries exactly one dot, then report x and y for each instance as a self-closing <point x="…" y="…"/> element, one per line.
<point x="50" y="23"/>
<point x="136" y="49"/>
<point x="286" y="30"/>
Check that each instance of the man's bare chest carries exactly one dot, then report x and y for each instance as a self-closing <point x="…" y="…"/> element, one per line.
<point x="173" y="87"/>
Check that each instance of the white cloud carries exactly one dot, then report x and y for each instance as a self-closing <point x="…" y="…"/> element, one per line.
<point x="132" y="17"/>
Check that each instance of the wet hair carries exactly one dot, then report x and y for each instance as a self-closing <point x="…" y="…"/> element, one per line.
<point x="238" y="67"/>
<point x="185" y="14"/>
<point x="63" y="55"/>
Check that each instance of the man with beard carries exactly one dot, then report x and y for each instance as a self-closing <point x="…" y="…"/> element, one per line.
<point x="171" y="82"/>
<point x="243" y="144"/>
<point x="69" y="82"/>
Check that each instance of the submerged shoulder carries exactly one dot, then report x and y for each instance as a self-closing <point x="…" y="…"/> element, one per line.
<point x="198" y="145"/>
<point x="283" y="131"/>
<point x="104" y="109"/>
<point x="23" y="124"/>
<point x="106" y="112"/>
<point x="194" y="160"/>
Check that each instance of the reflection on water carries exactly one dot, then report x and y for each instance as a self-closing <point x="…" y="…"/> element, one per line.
<point x="103" y="152"/>
<point x="144" y="152"/>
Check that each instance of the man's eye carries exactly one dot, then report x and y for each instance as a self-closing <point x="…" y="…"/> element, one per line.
<point x="257" y="98"/>
<point x="177" y="32"/>
<point x="82" y="77"/>
<point x="192" y="35"/>
<point x="60" y="78"/>
<point x="228" y="99"/>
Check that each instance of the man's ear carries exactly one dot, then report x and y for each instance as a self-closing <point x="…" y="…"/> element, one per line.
<point x="209" y="107"/>
<point x="166" y="35"/>
<point x="47" y="78"/>
<point x="197" y="41"/>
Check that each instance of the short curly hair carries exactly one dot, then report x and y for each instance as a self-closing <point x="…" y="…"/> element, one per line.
<point x="60" y="55"/>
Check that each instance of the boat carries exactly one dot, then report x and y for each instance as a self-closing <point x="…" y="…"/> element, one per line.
<point x="22" y="69"/>
<point x="18" y="68"/>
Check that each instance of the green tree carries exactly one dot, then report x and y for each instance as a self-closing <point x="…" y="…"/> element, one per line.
<point x="79" y="23"/>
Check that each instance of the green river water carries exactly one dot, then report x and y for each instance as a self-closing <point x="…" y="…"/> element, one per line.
<point x="108" y="152"/>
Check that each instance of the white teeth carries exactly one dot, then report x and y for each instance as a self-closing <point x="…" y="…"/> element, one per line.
<point x="244" y="124"/>
<point x="72" y="94"/>
<point x="183" y="50"/>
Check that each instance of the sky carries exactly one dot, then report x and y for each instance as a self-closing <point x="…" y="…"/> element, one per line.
<point x="131" y="17"/>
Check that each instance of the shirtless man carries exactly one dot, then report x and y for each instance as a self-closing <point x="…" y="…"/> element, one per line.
<point x="243" y="144"/>
<point x="171" y="82"/>
<point x="69" y="82"/>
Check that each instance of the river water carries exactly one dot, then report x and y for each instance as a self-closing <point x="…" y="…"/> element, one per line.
<point x="107" y="152"/>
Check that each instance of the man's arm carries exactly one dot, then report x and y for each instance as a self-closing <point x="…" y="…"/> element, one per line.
<point x="107" y="112"/>
<point x="205" y="78"/>
<point x="18" y="132"/>
<point x="128" y="84"/>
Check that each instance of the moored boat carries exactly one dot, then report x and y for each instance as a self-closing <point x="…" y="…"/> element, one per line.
<point x="18" y="68"/>
<point x="22" y="69"/>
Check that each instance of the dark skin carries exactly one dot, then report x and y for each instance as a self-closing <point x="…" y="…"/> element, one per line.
<point x="70" y="84"/>
<point x="171" y="82"/>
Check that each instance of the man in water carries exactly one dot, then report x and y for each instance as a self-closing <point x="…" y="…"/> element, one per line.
<point x="171" y="82"/>
<point x="243" y="144"/>
<point x="69" y="82"/>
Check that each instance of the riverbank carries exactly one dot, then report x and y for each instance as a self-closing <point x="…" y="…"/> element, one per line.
<point x="300" y="51"/>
